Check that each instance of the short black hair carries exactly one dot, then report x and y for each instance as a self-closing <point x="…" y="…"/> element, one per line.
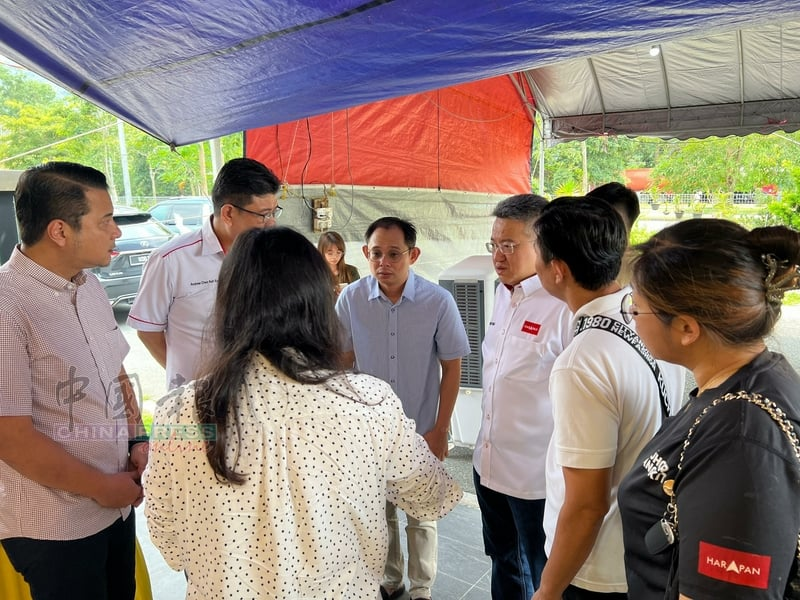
<point x="589" y="236"/>
<point x="54" y="190"/>
<point x="409" y="231"/>
<point x="622" y="198"/>
<point x="239" y="180"/>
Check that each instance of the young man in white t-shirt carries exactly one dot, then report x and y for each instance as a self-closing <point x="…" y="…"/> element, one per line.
<point x="606" y="401"/>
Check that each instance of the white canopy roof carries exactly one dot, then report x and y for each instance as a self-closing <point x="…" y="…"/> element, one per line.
<point x="734" y="82"/>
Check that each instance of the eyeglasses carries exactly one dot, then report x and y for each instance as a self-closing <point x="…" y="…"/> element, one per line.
<point x="627" y="310"/>
<point x="505" y="247"/>
<point x="269" y="214"/>
<point x="392" y="256"/>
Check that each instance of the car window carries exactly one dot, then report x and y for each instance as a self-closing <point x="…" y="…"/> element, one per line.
<point x="142" y="230"/>
<point x="160" y="212"/>
<point x="190" y="211"/>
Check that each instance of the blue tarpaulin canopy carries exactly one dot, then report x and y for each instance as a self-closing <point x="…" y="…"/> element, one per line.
<point x="196" y="69"/>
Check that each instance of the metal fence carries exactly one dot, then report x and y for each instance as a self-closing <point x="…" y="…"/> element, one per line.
<point x="753" y="198"/>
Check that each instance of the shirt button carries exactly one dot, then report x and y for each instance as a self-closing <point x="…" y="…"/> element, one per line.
<point x="392" y="357"/>
<point x="392" y="333"/>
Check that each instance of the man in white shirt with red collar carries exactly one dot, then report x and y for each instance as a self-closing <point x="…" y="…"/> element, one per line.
<point x="527" y="331"/>
<point x="179" y="283"/>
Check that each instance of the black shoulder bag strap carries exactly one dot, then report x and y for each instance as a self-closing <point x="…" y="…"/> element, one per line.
<point x="630" y="336"/>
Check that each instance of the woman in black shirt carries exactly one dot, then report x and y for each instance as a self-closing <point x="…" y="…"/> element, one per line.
<point x="705" y="294"/>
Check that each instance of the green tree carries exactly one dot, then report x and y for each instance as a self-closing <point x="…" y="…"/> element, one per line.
<point x="39" y="122"/>
<point x="787" y="209"/>
<point x="727" y="164"/>
<point x="562" y="167"/>
<point x="607" y="157"/>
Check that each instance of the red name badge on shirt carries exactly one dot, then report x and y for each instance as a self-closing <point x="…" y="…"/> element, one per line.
<point x="740" y="568"/>
<point x="531" y="327"/>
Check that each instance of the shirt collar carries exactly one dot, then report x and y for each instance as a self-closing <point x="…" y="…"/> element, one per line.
<point x="527" y="286"/>
<point x="210" y="240"/>
<point x="24" y="265"/>
<point x="409" y="290"/>
<point x="604" y="305"/>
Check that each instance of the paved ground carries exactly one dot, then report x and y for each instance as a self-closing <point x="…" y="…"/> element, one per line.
<point x="464" y="570"/>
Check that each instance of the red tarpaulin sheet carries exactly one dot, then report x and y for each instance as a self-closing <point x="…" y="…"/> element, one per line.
<point x="470" y="137"/>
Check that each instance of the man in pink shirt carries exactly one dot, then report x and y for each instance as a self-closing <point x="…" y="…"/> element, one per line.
<point x="71" y="444"/>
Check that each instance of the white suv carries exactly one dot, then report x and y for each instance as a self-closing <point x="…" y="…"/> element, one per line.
<point x="182" y="213"/>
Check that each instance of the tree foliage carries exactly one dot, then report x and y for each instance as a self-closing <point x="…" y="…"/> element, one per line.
<point x="719" y="166"/>
<point x="787" y="209"/>
<point x="39" y="123"/>
<point x="727" y="164"/>
<point x="607" y="157"/>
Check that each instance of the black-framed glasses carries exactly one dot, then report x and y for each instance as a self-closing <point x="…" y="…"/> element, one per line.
<point x="628" y="309"/>
<point x="504" y="247"/>
<point x="268" y="214"/>
<point x="392" y="255"/>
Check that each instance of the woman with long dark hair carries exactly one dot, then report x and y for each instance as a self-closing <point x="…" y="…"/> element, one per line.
<point x="331" y="246"/>
<point x="269" y="476"/>
<point x="710" y="509"/>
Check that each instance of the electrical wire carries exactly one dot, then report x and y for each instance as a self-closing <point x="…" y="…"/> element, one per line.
<point x="349" y="167"/>
<point x="305" y="169"/>
<point x="438" y="142"/>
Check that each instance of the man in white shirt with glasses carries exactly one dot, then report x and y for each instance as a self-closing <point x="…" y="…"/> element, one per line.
<point x="407" y="331"/>
<point x="179" y="282"/>
<point x="528" y="330"/>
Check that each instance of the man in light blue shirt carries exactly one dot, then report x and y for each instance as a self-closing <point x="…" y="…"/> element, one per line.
<point x="407" y="331"/>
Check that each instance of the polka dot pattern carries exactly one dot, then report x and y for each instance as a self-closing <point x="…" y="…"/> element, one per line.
<point x="309" y="522"/>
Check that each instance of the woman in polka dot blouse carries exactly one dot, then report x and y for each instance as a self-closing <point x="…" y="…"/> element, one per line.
<point x="268" y="478"/>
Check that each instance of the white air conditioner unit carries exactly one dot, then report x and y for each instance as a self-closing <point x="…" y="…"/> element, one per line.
<point x="472" y="282"/>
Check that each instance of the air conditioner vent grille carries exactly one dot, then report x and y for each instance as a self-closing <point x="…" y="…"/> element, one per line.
<point x="469" y="299"/>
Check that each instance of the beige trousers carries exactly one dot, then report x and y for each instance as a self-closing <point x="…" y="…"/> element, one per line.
<point x="422" y="543"/>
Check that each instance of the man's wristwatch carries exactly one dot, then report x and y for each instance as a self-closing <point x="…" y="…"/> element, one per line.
<point x="137" y="440"/>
